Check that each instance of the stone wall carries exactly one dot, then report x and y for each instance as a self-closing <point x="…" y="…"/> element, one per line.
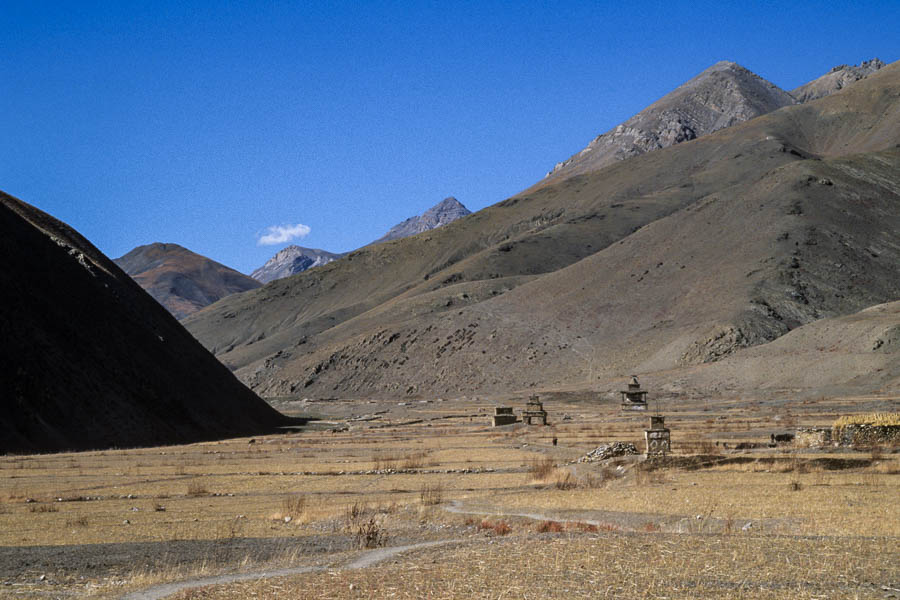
<point x="867" y="435"/>
<point x="848" y="435"/>
<point x="813" y="437"/>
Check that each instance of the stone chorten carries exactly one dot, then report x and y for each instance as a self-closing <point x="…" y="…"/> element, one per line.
<point x="658" y="437"/>
<point x="634" y="398"/>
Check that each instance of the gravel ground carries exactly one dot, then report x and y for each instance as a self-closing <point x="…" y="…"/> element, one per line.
<point x="108" y="560"/>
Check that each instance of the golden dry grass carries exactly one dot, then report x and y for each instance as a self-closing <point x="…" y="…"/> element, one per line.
<point x="879" y="419"/>
<point x="311" y="483"/>
<point x="608" y="565"/>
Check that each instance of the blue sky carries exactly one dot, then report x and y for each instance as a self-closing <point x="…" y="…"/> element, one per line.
<point x="207" y="123"/>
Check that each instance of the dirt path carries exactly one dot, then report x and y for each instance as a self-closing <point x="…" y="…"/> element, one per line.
<point x="621" y="521"/>
<point x="367" y="559"/>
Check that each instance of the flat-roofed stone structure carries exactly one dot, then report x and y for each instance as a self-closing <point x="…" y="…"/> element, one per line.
<point x="534" y="410"/>
<point x="634" y="398"/>
<point x="503" y="415"/>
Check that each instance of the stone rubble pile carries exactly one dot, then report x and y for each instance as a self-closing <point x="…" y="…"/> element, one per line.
<point x="606" y="451"/>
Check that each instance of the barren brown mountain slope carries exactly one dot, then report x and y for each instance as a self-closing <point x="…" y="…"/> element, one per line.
<point x="91" y="361"/>
<point x="857" y="353"/>
<point x="672" y="258"/>
<point x="181" y="280"/>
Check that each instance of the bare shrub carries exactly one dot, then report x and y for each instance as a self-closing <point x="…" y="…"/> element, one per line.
<point x="549" y="527"/>
<point x="729" y="525"/>
<point x="646" y="476"/>
<point x="502" y="528"/>
<point x="385" y="461"/>
<point x="293" y="506"/>
<point x="607" y="472"/>
<point x="592" y="481"/>
<point x="370" y="533"/>
<point x="81" y="521"/>
<point x="229" y="530"/>
<point x="431" y="495"/>
<point x="196" y="488"/>
<point x="795" y="485"/>
<point x="541" y="468"/>
<point x="354" y="513"/>
<point x="414" y="460"/>
<point x="43" y="508"/>
<point x="565" y="481"/>
<point x="705" y="446"/>
<point x="498" y="528"/>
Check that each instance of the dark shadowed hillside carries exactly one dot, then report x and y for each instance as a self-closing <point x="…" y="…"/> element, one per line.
<point x="91" y="361"/>
<point x="181" y="280"/>
<point x="670" y="260"/>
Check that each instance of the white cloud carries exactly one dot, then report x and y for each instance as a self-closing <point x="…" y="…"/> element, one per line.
<point x="279" y="234"/>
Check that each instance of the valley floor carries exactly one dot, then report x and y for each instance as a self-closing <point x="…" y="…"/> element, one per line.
<point x="341" y="508"/>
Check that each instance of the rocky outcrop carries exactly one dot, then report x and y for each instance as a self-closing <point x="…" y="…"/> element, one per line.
<point x="290" y="261"/>
<point x="719" y="97"/>
<point x="446" y="211"/>
<point x="836" y="79"/>
<point x="607" y="451"/>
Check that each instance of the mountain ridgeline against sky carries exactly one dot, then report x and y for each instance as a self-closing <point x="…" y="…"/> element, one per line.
<point x="837" y="78"/>
<point x="296" y="259"/>
<point x="719" y="97"/>
<point x="181" y="280"/>
<point x="445" y="211"/>
<point x="679" y="260"/>
<point x="290" y="261"/>
<point x="92" y="361"/>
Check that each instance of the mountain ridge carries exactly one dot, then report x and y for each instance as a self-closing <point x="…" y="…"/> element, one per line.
<point x="477" y="304"/>
<point x="720" y="96"/>
<point x="92" y="361"/>
<point x="291" y="260"/>
<point x="296" y="259"/>
<point x="181" y="280"/>
<point x="836" y="79"/>
<point x="446" y="211"/>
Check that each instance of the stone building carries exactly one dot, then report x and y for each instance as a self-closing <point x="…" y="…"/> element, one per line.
<point x="634" y="398"/>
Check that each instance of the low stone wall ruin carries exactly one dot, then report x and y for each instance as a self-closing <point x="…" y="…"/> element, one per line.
<point x="848" y="435"/>
<point x="867" y="435"/>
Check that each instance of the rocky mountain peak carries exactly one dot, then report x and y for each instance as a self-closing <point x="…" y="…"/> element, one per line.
<point x="722" y="95"/>
<point x="290" y="261"/>
<point x="446" y="211"/>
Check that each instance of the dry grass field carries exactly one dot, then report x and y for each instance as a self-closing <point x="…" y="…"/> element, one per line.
<point x="520" y="517"/>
